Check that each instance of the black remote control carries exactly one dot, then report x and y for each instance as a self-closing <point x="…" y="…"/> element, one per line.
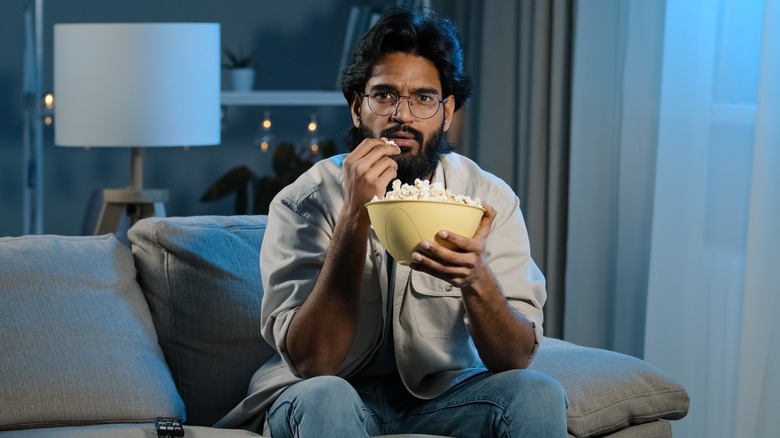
<point x="169" y="427"/>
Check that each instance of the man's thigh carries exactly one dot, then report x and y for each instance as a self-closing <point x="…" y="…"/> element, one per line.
<point x="513" y="403"/>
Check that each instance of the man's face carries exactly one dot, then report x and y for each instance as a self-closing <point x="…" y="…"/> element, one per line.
<point x="420" y="140"/>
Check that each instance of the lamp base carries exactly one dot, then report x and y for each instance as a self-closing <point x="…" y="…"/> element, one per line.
<point x="122" y="208"/>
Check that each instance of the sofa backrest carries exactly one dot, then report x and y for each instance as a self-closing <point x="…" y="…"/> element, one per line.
<point x="201" y="278"/>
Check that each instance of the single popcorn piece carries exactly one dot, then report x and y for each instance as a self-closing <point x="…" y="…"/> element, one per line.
<point x="423" y="190"/>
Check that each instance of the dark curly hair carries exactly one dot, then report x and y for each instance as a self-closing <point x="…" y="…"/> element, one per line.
<point x="423" y="33"/>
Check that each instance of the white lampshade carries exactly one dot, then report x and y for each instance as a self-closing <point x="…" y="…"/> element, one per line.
<point x="137" y="84"/>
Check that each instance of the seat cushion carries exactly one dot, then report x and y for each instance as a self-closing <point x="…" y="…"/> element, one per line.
<point x="77" y="341"/>
<point x="124" y="431"/>
<point x="201" y="277"/>
<point x="609" y="391"/>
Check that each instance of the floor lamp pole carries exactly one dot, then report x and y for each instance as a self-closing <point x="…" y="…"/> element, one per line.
<point x="137" y="169"/>
<point x="122" y="208"/>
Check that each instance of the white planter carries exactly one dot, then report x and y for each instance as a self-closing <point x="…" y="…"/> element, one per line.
<point x="242" y="79"/>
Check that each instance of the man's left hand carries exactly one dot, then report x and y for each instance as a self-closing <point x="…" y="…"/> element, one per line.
<point x="465" y="265"/>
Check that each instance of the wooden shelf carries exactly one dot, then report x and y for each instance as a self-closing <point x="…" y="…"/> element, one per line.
<point x="284" y="98"/>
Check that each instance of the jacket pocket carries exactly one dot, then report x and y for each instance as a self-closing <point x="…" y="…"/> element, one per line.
<point x="437" y="307"/>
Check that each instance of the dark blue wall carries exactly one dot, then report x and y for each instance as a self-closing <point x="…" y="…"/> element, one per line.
<point x="298" y="44"/>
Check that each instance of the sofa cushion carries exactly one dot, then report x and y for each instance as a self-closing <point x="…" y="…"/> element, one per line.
<point x="77" y="341"/>
<point x="609" y="391"/>
<point x="201" y="277"/>
<point x="124" y="431"/>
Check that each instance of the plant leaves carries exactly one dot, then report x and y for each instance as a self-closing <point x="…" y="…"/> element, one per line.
<point x="233" y="181"/>
<point x="328" y="149"/>
<point x="241" y="200"/>
<point x="265" y="190"/>
<point x="285" y="158"/>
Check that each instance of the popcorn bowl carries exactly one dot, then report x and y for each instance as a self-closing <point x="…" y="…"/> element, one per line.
<point x="402" y="224"/>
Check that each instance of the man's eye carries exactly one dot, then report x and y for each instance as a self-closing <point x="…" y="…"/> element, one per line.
<point x="424" y="98"/>
<point x="383" y="96"/>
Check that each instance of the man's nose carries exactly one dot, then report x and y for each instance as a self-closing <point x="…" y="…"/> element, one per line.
<point x="403" y="110"/>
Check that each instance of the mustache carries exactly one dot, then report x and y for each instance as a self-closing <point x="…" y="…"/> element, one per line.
<point x="415" y="133"/>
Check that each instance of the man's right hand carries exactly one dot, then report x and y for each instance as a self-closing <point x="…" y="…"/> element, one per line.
<point x="367" y="172"/>
<point x="323" y="329"/>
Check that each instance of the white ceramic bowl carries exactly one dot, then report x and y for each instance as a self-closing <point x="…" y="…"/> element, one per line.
<point x="402" y="224"/>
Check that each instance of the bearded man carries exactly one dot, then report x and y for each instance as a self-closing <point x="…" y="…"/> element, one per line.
<point x="367" y="346"/>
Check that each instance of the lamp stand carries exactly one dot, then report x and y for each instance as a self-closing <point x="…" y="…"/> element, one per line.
<point x="122" y="208"/>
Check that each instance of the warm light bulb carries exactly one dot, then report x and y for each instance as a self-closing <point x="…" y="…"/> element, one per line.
<point x="48" y="120"/>
<point x="267" y="124"/>
<point x="314" y="148"/>
<point x="264" y="146"/>
<point x="312" y="123"/>
<point x="48" y="100"/>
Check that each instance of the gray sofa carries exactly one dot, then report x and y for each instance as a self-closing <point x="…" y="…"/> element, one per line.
<point x="97" y="339"/>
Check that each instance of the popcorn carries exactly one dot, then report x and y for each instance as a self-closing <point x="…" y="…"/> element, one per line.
<point x="423" y="190"/>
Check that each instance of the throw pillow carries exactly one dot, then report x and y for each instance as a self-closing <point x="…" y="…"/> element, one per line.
<point x="201" y="277"/>
<point x="77" y="343"/>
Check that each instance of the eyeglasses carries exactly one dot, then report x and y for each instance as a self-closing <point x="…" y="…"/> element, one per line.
<point x="422" y="105"/>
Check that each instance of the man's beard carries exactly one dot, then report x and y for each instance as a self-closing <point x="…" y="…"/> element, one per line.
<point x="410" y="166"/>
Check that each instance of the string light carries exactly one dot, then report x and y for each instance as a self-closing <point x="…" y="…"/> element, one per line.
<point x="48" y="109"/>
<point x="264" y="136"/>
<point x="312" y="140"/>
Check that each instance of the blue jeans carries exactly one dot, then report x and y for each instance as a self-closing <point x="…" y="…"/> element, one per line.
<point x="516" y="403"/>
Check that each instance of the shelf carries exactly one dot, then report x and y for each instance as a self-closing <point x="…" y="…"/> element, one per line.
<point x="284" y="98"/>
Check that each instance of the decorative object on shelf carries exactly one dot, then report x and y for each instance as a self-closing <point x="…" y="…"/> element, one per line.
<point x="241" y="68"/>
<point x="156" y="85"/>
<point x="362" y="17"/>
<point x="264" y="137"/>
<point x="255" y="192"/>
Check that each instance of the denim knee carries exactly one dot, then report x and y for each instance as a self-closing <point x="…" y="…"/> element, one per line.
<point x="539" y="407"/>
<point x="316" y="405"/>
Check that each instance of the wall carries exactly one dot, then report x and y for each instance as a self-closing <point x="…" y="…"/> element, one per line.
<point x="298" y="44"/>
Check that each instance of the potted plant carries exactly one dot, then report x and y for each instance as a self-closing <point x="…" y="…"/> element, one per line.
<point x="241" y="68"/>
<point x="255" y="192"/>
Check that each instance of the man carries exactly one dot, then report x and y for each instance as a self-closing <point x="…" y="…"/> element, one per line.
<point x="367" y="346"/>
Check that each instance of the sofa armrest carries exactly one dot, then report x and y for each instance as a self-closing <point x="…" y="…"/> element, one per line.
<point x="609" y="391"/>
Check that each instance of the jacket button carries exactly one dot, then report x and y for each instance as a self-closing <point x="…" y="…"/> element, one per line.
<point x="448" y="287"/>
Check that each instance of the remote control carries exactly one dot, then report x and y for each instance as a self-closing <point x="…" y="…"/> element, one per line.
<point x="169" y="427"/>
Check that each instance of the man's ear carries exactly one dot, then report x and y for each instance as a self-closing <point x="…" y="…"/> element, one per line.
<point x="449" y="110"/>
<point x="355" y="105"/>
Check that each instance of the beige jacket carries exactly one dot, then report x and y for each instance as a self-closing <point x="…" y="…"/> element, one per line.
<point x="433" y="348"/>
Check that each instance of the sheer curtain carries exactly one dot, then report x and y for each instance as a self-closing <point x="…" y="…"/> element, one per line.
<point x="674" y="213"/>
<point x="713" y="314"/>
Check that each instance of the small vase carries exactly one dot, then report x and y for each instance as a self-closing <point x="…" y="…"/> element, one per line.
<point x="242" y="79"/>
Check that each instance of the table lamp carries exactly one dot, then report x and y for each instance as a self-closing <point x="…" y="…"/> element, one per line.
<point x="136" y="85"/>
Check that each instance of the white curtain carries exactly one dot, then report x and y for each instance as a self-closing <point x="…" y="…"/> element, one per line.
<point x="713" y="314"/>
<point x="674" y="213"/>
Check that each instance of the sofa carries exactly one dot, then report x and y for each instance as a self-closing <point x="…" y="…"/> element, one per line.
<point x="98" y="338"/>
